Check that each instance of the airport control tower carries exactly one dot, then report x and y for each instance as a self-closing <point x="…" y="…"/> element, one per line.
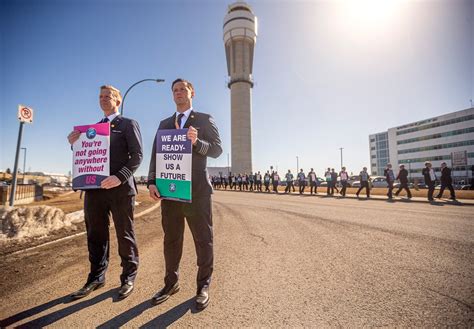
<point x="240" y="35"/>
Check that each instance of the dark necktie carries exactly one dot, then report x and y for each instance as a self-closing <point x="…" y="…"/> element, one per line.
<point x="104" y="120"/>
<point x="180" y="117"/>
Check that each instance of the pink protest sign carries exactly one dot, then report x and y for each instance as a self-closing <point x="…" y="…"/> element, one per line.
<point x="91" y="156"/>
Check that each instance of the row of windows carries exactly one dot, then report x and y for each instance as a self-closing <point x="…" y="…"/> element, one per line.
<point x="419" y="123"/>
<point x="437" y="170"/>
<point x="382" y="154"/>
<point x="381" y="137"/>
<point x="438" y="124"/>
<point x="435" y="158"/>
<point x="437" y="147"/>
<point x="380" y="162"/>
<point x="382" y="145"/>
<point x="439" y="135"/>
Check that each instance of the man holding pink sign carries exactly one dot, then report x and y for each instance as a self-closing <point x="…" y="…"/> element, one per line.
<point x="105" y="156"/>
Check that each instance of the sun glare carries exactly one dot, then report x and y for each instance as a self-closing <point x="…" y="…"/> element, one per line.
<point x="370" y="11"/>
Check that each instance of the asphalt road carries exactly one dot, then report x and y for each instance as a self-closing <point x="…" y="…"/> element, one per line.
<point x="280" y="261"/>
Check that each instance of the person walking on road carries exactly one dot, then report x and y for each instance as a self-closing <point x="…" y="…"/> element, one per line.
<point x="301" y="181"/>
<point x="313" y="182"/>
<point x="364" y="182"/>
<point x="251" y="181"/>
<point x="430" y="179"/>
<point x="344" y="176"/>
<point x="289" y="181"/>
<point x="402" y="177"/>
<point x="334" y="181"/>
<point x="258" y="181"/>
<point x="327" y="176"/>
<point x="446" y="182"/>
<point x="390" y="177"/>
<point x="266" y="181"/>
<point x="275" y="181"/>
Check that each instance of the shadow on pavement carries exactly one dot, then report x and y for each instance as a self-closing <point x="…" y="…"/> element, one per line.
<point x="126" y="316"/>
<point x="32" y="311"/>
<point x="171" y="316"/>
<point x="57" y="315"/>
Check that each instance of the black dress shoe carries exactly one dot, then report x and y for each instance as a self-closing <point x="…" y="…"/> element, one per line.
<point x="125" y="290"/>
<point x="202" y="298"/>
<point x="87" y="289"/>
<point x="164" y="294"/>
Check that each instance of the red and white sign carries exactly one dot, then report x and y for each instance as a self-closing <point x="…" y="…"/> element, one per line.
<point x="25" y="114"/>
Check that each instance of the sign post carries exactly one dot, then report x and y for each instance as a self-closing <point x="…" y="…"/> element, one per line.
<point x="25" y="114"/>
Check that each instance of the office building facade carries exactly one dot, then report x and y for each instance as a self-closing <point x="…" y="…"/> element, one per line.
<point x="447" y="138"/>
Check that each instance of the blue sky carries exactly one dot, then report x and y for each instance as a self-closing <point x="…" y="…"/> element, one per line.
<point x="327" y="73"/>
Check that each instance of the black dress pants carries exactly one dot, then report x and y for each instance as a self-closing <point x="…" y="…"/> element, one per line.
<point x="364" y="184"/>
<point x="98" y="205"/>
<point x="403" y="186"/>
<point x="450" y="188"/>
<point x="344" y="186"/>
<point x="198" y="214"/>
<point x="431" y="188"/>
<point x="390" y="189"/>
<point x="301" y="186"/>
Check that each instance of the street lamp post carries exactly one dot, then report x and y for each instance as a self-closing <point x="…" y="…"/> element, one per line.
<point x="24" y="163"/>
<point x="136" y="83"/>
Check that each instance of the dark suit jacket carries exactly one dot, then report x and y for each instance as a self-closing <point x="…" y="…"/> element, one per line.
<point x="446" y="176"/>
<point x="208" y="144"/>
<point x="403" y="176"/>
<point x="126" y="151"/>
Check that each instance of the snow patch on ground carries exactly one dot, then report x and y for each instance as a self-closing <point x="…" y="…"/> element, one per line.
<point x="75" y="217"/>
<point x="24" y="222"/>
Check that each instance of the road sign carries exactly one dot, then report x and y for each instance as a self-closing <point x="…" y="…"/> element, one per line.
<point x="459" y="158"/>
<point x="25" y="114"/>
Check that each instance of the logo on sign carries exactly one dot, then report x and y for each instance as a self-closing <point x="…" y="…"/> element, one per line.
<point x="172" y="187"/>
<point x="91" y="133"/>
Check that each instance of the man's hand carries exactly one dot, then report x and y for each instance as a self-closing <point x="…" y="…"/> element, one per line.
<point x="154" y="194"/>
<point x="110" y="182"/>
<point x="192" y="134"/>
<point x="73" y="136"/>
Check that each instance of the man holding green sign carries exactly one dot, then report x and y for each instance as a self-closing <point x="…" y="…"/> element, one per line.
<point x="178" y="176"/>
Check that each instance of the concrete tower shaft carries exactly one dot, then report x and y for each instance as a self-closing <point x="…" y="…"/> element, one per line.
<point x="240" y="35"/>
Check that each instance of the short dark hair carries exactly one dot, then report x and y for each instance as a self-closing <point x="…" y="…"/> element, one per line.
<point x="186" y="82"/>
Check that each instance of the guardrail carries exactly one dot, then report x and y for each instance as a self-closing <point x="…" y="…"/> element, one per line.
<point x="25" y="193"/>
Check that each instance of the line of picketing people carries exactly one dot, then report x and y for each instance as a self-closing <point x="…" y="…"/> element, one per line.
<point x="270" y="181"/>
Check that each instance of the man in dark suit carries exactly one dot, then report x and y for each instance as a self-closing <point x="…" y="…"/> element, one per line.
<point x="116" y="196"/>
<point x="204" y="136"/>
<point x="446" y="182"/>
<point x="402" y="177"/>
<point x="390" y="177"/>
<point x="430" y="179"/>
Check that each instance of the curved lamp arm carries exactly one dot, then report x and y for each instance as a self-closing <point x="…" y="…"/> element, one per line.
<point x="136" y="83"/>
